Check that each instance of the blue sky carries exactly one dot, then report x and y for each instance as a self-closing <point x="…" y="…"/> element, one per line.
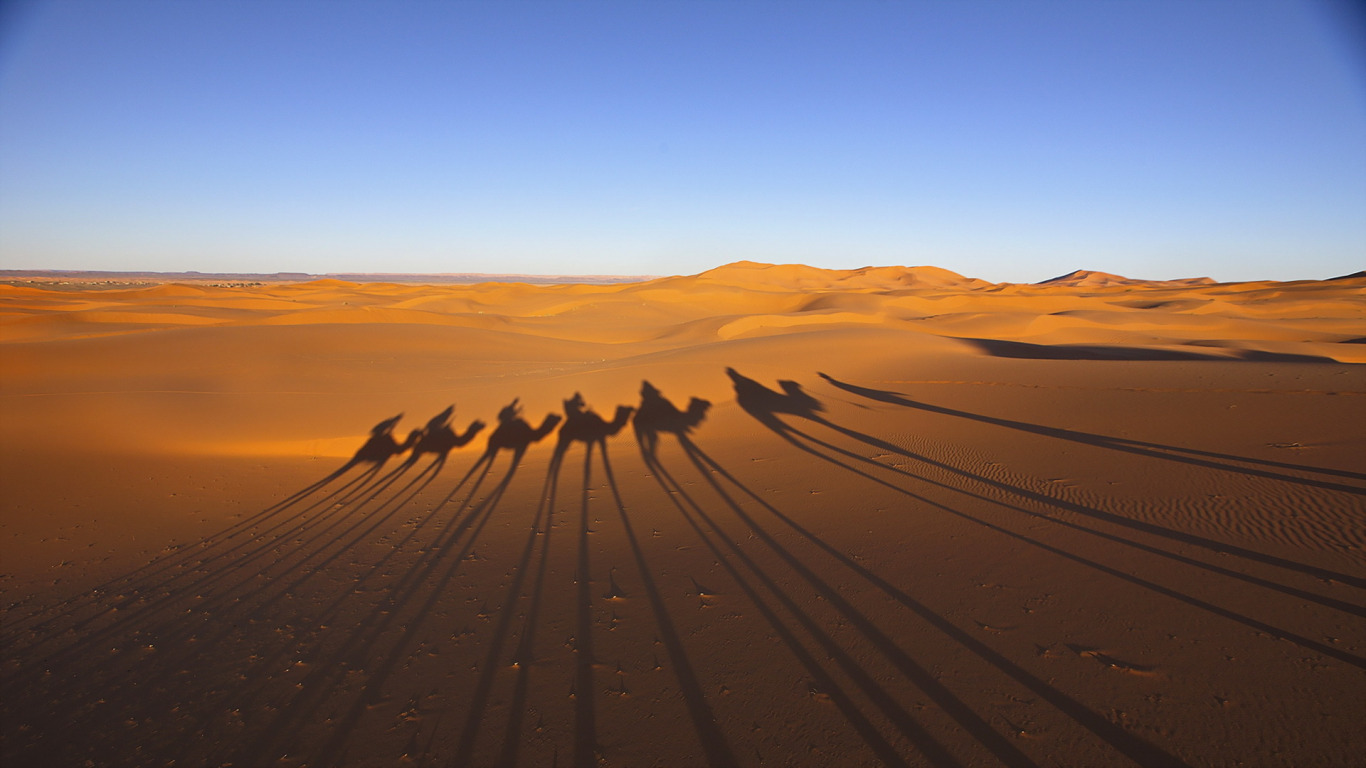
<point x="1011" y="141"/>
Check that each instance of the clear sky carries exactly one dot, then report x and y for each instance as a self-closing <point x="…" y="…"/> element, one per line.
<point x="1011" y="141"/>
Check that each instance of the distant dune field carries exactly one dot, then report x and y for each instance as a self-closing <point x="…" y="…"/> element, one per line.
<point x="889" y="516"/>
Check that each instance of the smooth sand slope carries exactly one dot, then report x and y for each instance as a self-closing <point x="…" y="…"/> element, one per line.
<point x="796" y="517"/>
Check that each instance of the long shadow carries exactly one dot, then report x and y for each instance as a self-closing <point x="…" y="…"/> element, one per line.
<point x="1248" y="621"/>
<point x="152" y="576"/>
<point x="227" y="545"/>
<point x="789" y="432"/>
<point x="305" y="567"/>
<point x="168" y="616"/>
<point x="156" y="589"/>
<point x="188" y="641"/>
<point x="655" y="414"/>
<point x="1199" y="458"/>
<point x="1128" y="744"/>
<point x="765" y="405"/>
<point x="582" y="425"/>
<point x="693" y="513"/>
<point x="513" y="434"/>
<point x="969" y="720"/>
<point x="795" y="437"/>
<point x="541" y="526"/>
<point x="791" y="436"/>
<point x="361" y="643"/>
<point x="259" y="674"/>
<point x="524" y="656"/>
<point x="1119" y="444"/>
<point x="1027" y="351"/>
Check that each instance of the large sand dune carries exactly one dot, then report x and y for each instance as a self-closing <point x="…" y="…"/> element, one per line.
<point x="881" y="516"/>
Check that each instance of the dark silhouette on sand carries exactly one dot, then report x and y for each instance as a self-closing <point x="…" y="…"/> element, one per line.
<point x="513" y="433"/>
<point x="582" y="424"/>
<point x="656" y="414"/>
<point x="764" y="404"/>
<point x="381" y="446"/>
<point x="439" y="437"/>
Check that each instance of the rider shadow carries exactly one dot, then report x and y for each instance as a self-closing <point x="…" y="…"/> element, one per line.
<point x="579" y="424"/>
<point x="377" y="450"/>
<point x="583" y="425"/>
<point x="654" y="416"/>
<point x="657" y="415"/>
<point x="513" y="433"/>
<point x="439" y="438"/>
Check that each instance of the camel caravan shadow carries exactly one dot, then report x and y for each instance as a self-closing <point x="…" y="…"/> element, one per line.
<point x="312" y="609"/>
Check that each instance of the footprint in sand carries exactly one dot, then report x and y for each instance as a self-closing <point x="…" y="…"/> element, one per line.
<point x="1110" y="662"/>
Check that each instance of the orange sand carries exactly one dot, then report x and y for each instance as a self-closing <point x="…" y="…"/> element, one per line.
<point x="926" y="520"/>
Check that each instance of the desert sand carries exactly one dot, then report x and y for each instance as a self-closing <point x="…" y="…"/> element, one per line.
<point x="891" y="516"/>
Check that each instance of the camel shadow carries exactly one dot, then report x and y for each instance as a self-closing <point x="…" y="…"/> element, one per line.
<point x="583" y="425"/>
<point x="439" y="438"/>
<point x="513" y="433"/>
<point x="657" y="415"/>
<point x="374" y="453"/>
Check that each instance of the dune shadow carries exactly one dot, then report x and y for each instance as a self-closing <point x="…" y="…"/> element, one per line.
<point x="1027" y="351"/>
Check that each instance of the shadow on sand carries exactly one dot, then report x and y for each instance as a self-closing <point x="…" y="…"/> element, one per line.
<point x="303" y="615"/>
<point x="1026" y="351"/>
<point x="119" y="652"/>
<point x="766" y="405"/>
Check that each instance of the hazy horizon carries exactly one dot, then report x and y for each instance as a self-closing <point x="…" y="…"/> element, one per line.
<point x="605" y="276"/>
<point x="1010" y="142"/>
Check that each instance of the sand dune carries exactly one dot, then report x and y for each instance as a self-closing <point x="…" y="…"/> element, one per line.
<point x="881" y="516"/>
